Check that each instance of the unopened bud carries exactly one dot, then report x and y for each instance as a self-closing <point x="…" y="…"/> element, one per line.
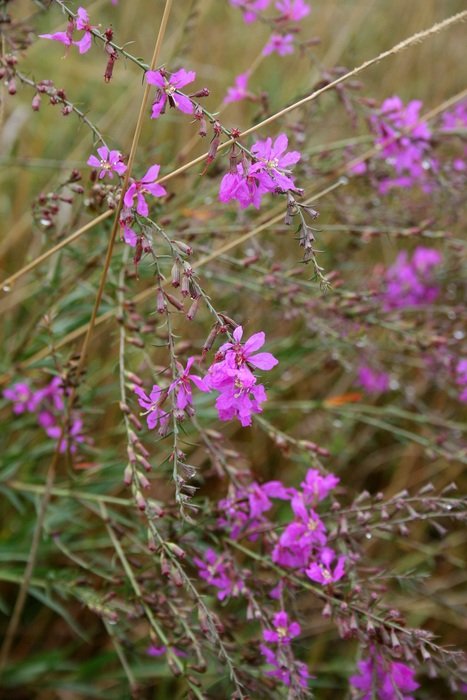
<point x="214" y="145"/>
<point x="161" y="304"/>
<point x="193" y="309"/>
<point x="36" y="102"/>
<point x="174" y="301"/>
<point x="128" y="475"/>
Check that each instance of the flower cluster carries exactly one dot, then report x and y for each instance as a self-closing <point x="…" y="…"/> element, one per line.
<point x="267" y="172"/>
<point x="381" y="679"/>
<point x="239" y="393"/>
<point x="410" y="282"/>
<point x="240" y="396"/>
<point x="48" y="404"/>
<point x="303" y="544"/>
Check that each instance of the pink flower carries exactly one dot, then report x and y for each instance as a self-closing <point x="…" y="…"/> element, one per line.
<point x="372" y="381"/>
<point x="63" y="37"/>
<point x="22" y="397"/>
<point x="321" y="572"/>
<point x="292" y="10"/>
<point x="139" y="188"/>
<point x="160" y="651"/>
<point x="251" y="8"/>
<point x="218" y="570"/>
<point x="240" y="395"/>
<point x="272" y="163"/>
<point x="242" y="513"/>
<point x="246" y="353"/>
<point x="155" y="415"/>
<point x="126" y="221"/>
<point x="411" y="282"/>
<point x="169" y="91"/>
<point x="405" y="152"/>
<point x="82" y="22"/>
<point x="301" y="537"/>
<point x="283" y="670"/>
<point x="241" y="398"/>
<point x="281" y="44"/>
<point x="284" y="631"/>
<point x="316" y="487"/>
<point x="461" y="371"/>
<point x="384" y="679"/>
<point x="239" y="91"/>
<point x="109" y="162"/>
<point x="245" y="188"/>
<point x="456" y="118"/>
<point x="182" y="386"/>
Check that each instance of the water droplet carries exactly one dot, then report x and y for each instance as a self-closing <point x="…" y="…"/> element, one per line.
<point x="368" y="535"/>
<point x="459" y="335"/>
<point x="6" y="288"/>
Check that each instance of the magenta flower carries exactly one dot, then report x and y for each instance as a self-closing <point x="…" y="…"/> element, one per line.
<point x="242" y="513"/>
<point x="321" y="572"/>
<point x="22" y="397"/>
<point x="182" y="385"/>
<point x="155" y="415"/>
<point x="218" y="570"/>
<point x="168" y="90"/>
<point x="372" y="381"/>
<point x="301" y="537"/>
<point x="461" y="371"/>
<point x="63" y="37"/>
<point x="241" y="398"/>
<point x="245" y="188"/>
<point x="285" y="668"/>
<point x="160" y="651"/>
<point x="246" y="353"/>
<point x="316" y="487"/>
<point x="240" y="89"/>
<point x="405" y="152"/>
<point x="251" y="8"/>
<point x="284" y="631"/>
<point x="292" y="10"/>
<point x="281" y="44"/>
<point x="273" y="162"/>
<point x="71" y="438"/>
<point x="456" y="118"/>
<point x="382" y="679"/>
<point x="411" y="282"/>
<point x="82" y="22"/>
<point x="126" y="221"/>
<point x="109" y="162"/>
<point x="139" y="188"/>
<point x="240" y="395"/>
